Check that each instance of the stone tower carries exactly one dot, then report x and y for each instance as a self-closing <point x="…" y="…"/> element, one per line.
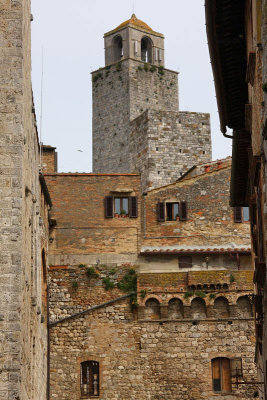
<point x="137" y="126"/>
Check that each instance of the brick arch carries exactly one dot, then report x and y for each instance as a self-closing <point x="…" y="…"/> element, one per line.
<point x="243" y="307"/>
<point x="152" y="308"/>
<point x="221" y="307"/>
<point x="175" y="308"/>
<point x="198" y="308"/>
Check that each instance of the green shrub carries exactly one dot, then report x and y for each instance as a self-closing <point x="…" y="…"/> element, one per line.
<point x="91" y="272"/>
<point x="212" y="295"/>
<point x="139" y="68"/>
<point x="143" y="293"/>
<point x="133" y="302"/>
<point x="188" y="294"/>
<point x="161" y="70"/>
<point x="201" y="294"/>
<point x="129" y="282"/>
<point x="146" y="67"/>
<point x="108" y="283"/>
<point x="112" y="271"/>
<point x="232" y="278"/>
<point x="82" y="265"/>
<point x="153" y="68"/>
<point x="74" y="284"/>
<point x="118" y="66"/>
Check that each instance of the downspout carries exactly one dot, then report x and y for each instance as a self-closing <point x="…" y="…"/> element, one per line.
<point x="48" y="347"/>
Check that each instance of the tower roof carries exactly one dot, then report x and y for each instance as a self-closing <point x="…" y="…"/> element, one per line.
<point x="136" y="23"/>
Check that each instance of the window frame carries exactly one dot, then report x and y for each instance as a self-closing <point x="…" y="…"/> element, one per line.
<point x="89" y="366"/>
<point x="239" y="215"/>
<point x="162" y="211"/>
<point x="172" y="204"/>
<point x="110" y="209"/>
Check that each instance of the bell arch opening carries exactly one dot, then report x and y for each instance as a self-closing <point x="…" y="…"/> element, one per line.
<point x="146" y="50"/>
<point x="117" y="48"/>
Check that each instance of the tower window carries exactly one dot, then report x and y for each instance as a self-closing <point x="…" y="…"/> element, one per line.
<point x="117" y="48"/>
<point x="89" y="378"/>
<point x="146" y="50"/>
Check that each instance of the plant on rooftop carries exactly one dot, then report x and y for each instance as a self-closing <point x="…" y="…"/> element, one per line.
<point x="153" y="68"/>
<point x="188" y="294"/>
<point x="161" y="70"/>
<point x="212" y="295"/>
<point x="200" y="293"/>
<point x="232" y="278"/>
<point x="118" y="66"/>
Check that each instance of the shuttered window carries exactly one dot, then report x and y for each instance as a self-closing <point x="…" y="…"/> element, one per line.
<point x="89" y="378"/>
<point x="109" y="207"/>
<point x="133" y="207"/>
<point x="121" y="206"/>
<point x="161" y="212"/>
<point x="221" y="375"/>
<point x="238" y="214"/>
<point x="183" y="211"/>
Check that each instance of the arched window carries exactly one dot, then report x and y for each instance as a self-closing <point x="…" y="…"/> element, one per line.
<point x="152" y="309"/>
<point x="198" y="308"/>
<point x="90" y="378"/>
<point x="221" y="308"/>
<point x="117" y="48"/>
<point x="221" y="375"/>
<point x="146" y="50"/>
<point x="175" y="309"/>
<point x="244" y="307"/>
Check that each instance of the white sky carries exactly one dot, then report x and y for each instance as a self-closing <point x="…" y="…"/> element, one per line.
<point x="71" y="34"/>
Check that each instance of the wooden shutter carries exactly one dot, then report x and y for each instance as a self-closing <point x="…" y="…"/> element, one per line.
<point x="161" y="212"/>
<point x="216" y="375"/>
<point x="109" y="207"/>
<point x="238" y="214"/>
<point x="133" y="207"/>
<point x="183" y="211"/>
<point x="226" y="375"/>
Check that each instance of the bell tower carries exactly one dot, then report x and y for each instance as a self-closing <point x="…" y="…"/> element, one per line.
<point x="136" y="40"/>
<point x="137" y="125"/>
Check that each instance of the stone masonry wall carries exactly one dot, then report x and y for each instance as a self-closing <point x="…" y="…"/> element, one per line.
<point x="140" y="360"/>
<point x="121" y="92"/>
<point x="22" y="335"/>
<point x="165" y="144"/>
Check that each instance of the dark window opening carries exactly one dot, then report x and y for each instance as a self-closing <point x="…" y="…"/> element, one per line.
<point x="117" y="48"/>
<point x="90" y="378"/>
<point x="146" y="50"/>
<point x="221" y="375"/>
<point x="185" y="262"/>
<point x="172" y="211"/>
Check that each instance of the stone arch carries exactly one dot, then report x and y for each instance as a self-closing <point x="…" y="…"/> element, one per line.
<point x="221" y="307"/>
<point x="175" y="309"/>
<point x="146" y="49"/>
<point x="152" y="309"/>
<point x="244" y="307"/>
<point x="198" y="308"/>
<point x="117" y="45"/>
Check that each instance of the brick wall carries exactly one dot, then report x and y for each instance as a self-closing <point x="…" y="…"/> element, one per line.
<point x="81" y="227"/>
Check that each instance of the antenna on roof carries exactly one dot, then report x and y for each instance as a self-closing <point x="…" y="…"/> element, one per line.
<point x="41" y="111"/>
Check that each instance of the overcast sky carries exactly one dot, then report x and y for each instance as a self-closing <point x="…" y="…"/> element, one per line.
<point x="71" y="35"/>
